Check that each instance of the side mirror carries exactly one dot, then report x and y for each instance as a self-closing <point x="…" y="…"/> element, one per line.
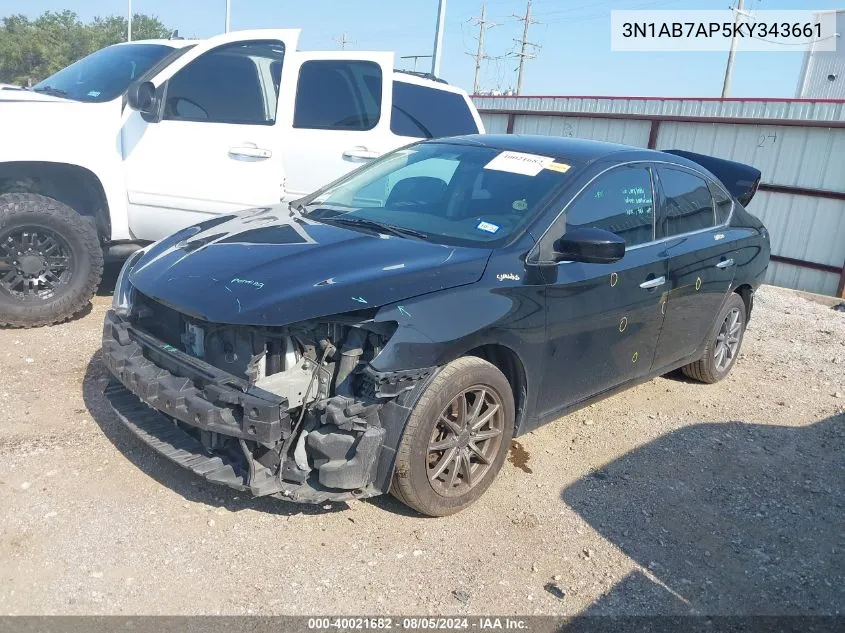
<point x="589" y="245"/>
<point x="141" y="96"/>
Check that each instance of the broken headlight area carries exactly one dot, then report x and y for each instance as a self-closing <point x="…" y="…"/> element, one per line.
<point x="294" y="410"/>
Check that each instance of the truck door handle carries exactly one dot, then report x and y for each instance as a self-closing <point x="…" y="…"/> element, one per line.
<point x="361" y="153"/>
<point x="250" y="150"/>
<point x="653" y="283"/>
<point x="725" y="263"/>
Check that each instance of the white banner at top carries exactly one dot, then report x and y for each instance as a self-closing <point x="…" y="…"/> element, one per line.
<point x="683" y="30"/>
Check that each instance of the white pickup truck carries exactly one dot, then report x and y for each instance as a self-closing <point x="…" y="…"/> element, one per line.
<point x="139" y="140"/>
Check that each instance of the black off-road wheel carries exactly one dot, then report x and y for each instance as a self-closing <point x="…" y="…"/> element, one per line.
<point x="723" y="344"/>
<point x="51" y="261"/>
<point x="456" y="438"/>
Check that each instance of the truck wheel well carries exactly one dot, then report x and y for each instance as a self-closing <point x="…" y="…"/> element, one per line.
<point x="508" y="362"/>
<point x="72" y="185"/>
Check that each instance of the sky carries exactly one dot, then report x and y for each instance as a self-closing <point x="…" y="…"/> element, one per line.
<point x="574" y="37"/>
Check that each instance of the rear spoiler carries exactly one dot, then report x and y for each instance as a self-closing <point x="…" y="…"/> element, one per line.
<point x="739" y="179"/>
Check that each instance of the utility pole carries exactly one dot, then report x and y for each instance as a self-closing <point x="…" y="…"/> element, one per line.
<point x="438" y="38"/>
<point x="729" y="69"/>
<point x="523" y="54"/>
<point x="483" y="25"/>
<point x="343" y="41"/>
<point x="129" y="24"/>
<point x="228" y="15"/>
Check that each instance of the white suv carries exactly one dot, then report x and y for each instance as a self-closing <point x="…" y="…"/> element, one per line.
<point x="139" y="140"/>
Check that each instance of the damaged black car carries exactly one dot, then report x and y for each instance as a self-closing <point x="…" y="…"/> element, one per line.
<point x="396" y="329"/>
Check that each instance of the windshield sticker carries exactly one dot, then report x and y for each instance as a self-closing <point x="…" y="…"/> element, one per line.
<point x="561" y="167"/>
<point x="519" y="163"/>
<point x="520" y="205"/>
<point x="487" y="227"/>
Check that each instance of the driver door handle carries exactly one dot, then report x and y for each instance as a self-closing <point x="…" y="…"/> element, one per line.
<point x="653" y="283"/>
<point x="250" y="150"/>
<point x="361" y="153"/>
<point x="726" y="263"/>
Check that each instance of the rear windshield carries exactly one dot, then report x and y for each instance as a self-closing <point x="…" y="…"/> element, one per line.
<point x="454" y="194"/>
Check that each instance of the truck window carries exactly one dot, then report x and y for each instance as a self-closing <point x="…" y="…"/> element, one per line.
<point x="422" y="112"/>
<point x="234" y="83"/>
<point x="338" y="95"/>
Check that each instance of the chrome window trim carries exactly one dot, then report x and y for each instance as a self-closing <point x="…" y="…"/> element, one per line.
<point x="533" y="253"/>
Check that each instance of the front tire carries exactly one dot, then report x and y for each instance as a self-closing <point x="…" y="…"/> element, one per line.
<point x="723" y="344"/>
<point x="51" y="261"/>
<point x="456" y="438"/>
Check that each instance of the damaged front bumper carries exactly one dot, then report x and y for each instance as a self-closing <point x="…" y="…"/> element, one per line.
<point x="232" y="433"/>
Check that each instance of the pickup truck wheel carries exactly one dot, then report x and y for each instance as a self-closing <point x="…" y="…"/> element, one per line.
<point x="723" y="344"/>
<point x="50" y="260"/>
<point x="456" y="438"/>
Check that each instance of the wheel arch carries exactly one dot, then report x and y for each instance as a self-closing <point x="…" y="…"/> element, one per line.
<point x="73" y="185"/>
<point x="506" y="360"/>
<point x="747" y="293"/>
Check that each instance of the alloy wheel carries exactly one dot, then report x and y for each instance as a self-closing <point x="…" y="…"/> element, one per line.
<point x="465" y="441"/>
<point x="727" y="341"/>
<point x="35" y="263"/>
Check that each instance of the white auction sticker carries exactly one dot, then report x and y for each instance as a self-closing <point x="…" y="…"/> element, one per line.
<point x="519" y="163"/>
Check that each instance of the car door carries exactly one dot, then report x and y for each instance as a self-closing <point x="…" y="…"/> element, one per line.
<point x="702" y="261"/>
<point x="216" y="147"/>
<point x="604" y="320"/>
<point x="341" y="117"/>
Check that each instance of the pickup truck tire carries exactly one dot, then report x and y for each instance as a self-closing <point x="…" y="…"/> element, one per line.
<point x="456" y="438"/>
<point x="723" y="344"/>
<point x="51" y="261"/>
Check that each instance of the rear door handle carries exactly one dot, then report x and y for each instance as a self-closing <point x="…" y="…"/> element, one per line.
<point x="653" y="283"/>
<point x="725" y="263"/>
<point x="361" y="153"/>
<point x="250" y="150"/>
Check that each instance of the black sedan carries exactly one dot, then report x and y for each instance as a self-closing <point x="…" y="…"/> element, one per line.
<point x="394" y="330"/>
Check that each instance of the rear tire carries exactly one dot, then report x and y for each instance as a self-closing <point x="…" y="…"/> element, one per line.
<point x="51" y="261"/>
<point x="723" y="343"/>
<point x="461" y="426"/>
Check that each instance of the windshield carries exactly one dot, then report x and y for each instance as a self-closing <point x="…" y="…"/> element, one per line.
<point x="465" y="195"/>
<point x="105" y="74"/>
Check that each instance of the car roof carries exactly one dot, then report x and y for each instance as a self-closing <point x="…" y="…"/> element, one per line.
<point x="555" y="146"/>
<point x="172" y="43"/>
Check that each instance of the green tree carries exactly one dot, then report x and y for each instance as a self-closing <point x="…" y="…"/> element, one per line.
<point x="31" y="50"/>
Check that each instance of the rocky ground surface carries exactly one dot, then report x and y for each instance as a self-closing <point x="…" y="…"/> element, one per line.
<point x="673" y="497"/>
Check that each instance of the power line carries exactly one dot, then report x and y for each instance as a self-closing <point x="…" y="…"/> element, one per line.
<point x="343" y="40"/>
<point x="523" y="53"/>
<point x="483" y="25"/>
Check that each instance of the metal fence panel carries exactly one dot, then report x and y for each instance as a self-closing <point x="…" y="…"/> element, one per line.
<point x="625" y="131"/>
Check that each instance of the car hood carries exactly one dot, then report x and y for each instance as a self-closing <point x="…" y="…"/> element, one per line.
<point x="266" y="267"/>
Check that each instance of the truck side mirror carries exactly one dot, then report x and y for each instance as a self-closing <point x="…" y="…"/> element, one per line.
<point x="141" y="96"/>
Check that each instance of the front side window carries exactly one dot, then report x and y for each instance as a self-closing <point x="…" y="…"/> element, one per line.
<point x="687" y="202"/>
<point x="448" y="193"/>
<point x="619" y="201"/>
<point x="236" y="83"/>
<point x="338" y="95"/>
<point x="105" y="74"/>
<point x="423" y="112"/>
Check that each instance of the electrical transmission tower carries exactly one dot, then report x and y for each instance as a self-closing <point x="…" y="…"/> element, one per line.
<point x="480" y="56"/>
<point x="343" y="41"/>
<point x="523" y="53"/>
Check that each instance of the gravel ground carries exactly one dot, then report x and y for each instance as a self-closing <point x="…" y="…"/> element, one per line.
<point x="673" y="497"/>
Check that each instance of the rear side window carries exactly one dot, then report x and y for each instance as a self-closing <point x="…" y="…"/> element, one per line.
<point x="722" y="203"/>
<point x="619" y="201"/>
<point x="688" y="203"/>
<point x="338" y="95"/>
<point x="422" y="112"/>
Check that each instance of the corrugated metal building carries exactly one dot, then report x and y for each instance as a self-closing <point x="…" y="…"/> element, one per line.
<point x="799" y="145"/>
